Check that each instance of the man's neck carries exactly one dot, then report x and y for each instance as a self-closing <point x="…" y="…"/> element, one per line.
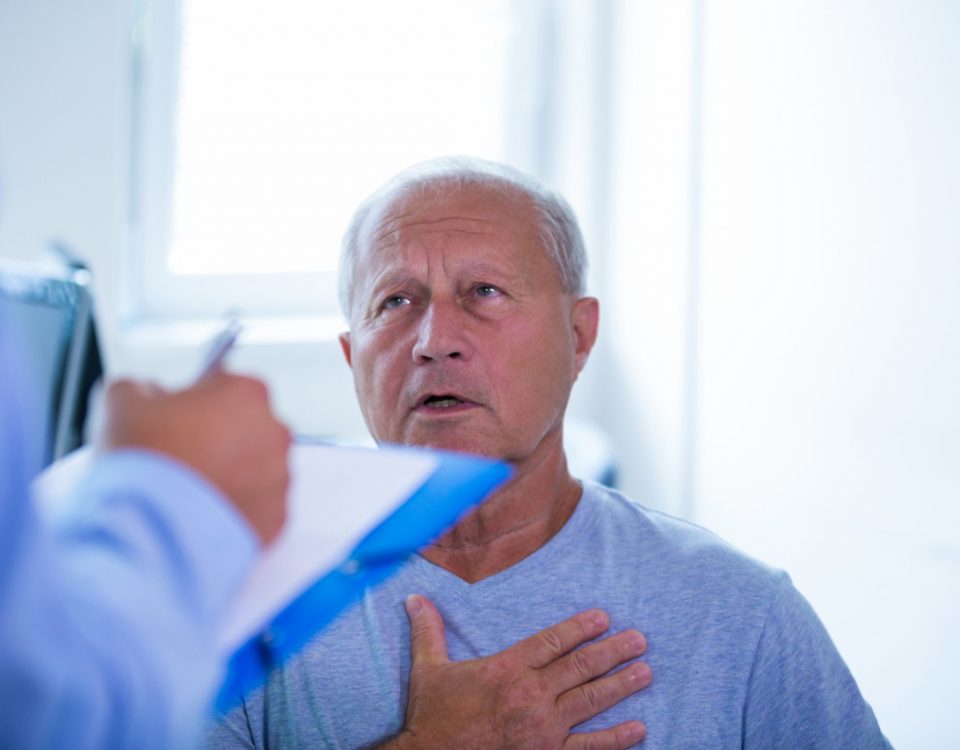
<point x="512" y="524"/>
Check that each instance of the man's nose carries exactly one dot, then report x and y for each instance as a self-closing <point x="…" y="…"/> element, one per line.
<point x="442" y="333"/>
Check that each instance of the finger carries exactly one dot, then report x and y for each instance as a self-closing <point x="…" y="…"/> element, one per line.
<point x="586" y="701"/>
<point x="252" y="388"/>
<point x="550" y="644"/>
<point x="587" y="663"/>
<point x="124" y="390"/>
<point x="428" y="642"/>
<point x="615" y="738"/>
<point x="123" y="407"/>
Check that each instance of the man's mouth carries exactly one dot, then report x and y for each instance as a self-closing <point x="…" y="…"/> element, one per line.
<point x="445" y="401"/>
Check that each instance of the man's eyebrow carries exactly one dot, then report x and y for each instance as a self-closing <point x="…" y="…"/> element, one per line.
<point x="479" y="269"/>
<point x="482" y="267"/>
<point x="389" y="277"/>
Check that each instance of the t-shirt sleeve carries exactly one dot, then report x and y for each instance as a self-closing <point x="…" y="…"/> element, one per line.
<point x="801" y="693"/>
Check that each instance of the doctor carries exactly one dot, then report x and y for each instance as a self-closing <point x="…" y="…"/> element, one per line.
<point x="107" y="622"/>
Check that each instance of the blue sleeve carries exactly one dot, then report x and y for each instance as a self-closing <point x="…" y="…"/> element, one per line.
<point x="801" y="693"/>
<point x="108" y="621"/>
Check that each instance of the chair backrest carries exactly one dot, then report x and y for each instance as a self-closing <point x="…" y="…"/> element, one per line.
<point x="50" y="315"/>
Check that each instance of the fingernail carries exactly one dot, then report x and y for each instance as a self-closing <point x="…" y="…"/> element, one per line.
<point x="599" y="618"/>
<point x="636" y="732"/>
<point x="413" y="604"/>
<point x="638" y="643"/>
<point x="640" y="672"/>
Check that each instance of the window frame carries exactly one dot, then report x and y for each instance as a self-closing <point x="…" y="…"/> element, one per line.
<point x="153" y="292"/>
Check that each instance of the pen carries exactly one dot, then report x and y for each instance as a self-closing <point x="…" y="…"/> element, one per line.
<point x="219" y="347"/>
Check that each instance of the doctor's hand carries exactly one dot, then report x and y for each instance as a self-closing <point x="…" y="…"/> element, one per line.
<point x="222" y="427"/>
<point x="527" y="696"/>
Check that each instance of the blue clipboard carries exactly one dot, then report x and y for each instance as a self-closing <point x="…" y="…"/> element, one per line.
<point x="457" y="483"/>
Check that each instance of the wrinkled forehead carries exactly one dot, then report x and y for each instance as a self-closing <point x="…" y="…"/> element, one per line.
<point x="419" y="210"/>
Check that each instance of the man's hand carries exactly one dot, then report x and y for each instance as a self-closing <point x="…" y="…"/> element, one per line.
<point x="528" y="696"/>
<point x="222" y="427"/>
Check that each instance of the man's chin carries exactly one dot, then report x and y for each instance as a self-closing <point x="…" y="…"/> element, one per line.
<point x="454" y="442"/>
<point x="459" y="446"/>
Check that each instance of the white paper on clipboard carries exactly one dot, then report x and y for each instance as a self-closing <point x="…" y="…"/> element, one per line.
<point x="337" y="495"/>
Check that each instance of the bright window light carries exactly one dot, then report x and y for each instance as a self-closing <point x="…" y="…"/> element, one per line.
<point x="288" y="113"/>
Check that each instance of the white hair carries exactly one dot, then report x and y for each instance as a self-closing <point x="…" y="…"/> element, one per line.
<point x="559" y="231"/>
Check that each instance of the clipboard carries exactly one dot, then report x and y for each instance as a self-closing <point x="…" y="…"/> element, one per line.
<point x="354" y="515"/>
<point x="414" y="494"/>
<point x="411" y="494"/>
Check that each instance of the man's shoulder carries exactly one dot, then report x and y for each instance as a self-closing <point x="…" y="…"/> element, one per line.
<point x="654" y="541"/>
<point x="614" y="510"/>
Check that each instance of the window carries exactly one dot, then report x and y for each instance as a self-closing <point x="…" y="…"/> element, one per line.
<point x="258" y="128"/>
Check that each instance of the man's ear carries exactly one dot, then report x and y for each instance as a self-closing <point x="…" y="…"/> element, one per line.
<point x="345" y="347"/>
<point x="586" y="319"/>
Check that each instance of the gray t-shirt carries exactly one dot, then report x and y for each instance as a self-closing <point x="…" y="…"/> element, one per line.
<point x="739" y="658"/>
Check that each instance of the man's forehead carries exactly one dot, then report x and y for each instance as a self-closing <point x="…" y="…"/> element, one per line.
<point x="471" y="209"/>
<point x="393" y="227"/>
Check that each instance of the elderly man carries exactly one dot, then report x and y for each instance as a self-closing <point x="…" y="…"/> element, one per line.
<point x="463" y="284"/>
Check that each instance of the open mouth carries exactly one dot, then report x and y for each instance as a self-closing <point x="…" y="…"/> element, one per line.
<point x="444" y="401"/>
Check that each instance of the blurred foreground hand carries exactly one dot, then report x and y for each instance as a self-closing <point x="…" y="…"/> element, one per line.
<point x="222" y="427"/>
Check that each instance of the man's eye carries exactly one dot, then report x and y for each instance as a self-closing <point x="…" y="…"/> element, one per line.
<point x="394" y="301"/>
<point x="487" y="290"/>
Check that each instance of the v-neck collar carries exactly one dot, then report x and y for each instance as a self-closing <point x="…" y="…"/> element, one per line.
<point x="443" y="578"/>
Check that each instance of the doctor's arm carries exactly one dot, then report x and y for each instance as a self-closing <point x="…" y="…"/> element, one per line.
<point x="108" y="621"/>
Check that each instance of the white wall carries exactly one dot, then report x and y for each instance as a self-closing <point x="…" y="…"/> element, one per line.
<point x="824" y="315"/>
<point x="61" y="125"/>
<point x="644" y="352"/>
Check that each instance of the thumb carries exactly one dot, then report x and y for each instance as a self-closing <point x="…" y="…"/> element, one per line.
<point x="428" y="642"/>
